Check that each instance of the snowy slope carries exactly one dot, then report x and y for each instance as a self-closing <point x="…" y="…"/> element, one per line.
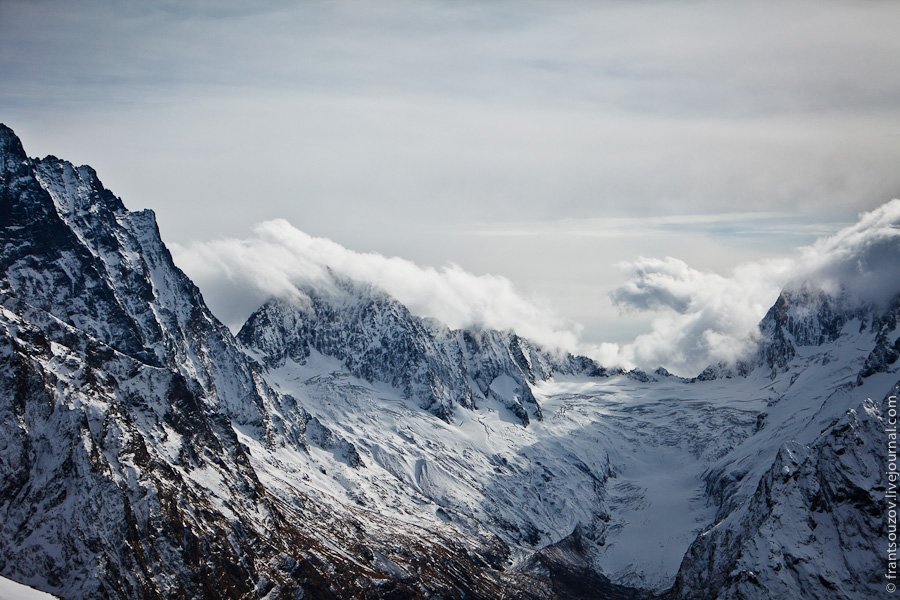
<point x="377" y="339"/>
<point x="122" y="404"/>
<point x="813" y="528"/>
<point x="638" y="464"/>
<point x="611" y="457"/>
<point x="346" y="448"/>
<point x="799" y="502"/>
<point x="10" y="590"/>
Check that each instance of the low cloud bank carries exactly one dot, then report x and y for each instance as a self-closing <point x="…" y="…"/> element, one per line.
<point x="701" y="317"/>
<point x="705" y="317"/>
<point x="279" y="260"/>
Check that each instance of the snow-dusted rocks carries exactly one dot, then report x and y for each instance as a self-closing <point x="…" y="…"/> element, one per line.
<point x="814" y="527"/>
<point x="801" y="502"/>
<point x="345" y="448"/>
<point x="128" y="414"/>
<point x="377" y="339"/>
<point x="804" y="318"/>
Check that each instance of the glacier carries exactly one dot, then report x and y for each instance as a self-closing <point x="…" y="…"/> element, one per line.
<point x="343" y="447"/>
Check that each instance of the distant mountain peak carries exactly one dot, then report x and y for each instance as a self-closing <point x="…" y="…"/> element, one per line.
<point x="378" y="339"/>
<point x="10" y="144"/>
<point x="809" y="317"/>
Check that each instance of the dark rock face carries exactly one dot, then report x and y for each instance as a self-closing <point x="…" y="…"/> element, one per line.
<point x="567" y="567"/>
<point x="801" y="317"/>
<point x="91" y="507"/>
<point x="378" y="339"/>
<point x="886" y="352"/>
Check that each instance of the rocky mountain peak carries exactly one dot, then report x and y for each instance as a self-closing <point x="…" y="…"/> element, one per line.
<point x="10" y="145"/>
<point x="810" y="318"/>
<point x="378" y="339"/>
<point x="77" y="190"/>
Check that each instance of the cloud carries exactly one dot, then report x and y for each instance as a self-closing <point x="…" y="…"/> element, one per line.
<point x="279" y="260"/>
<point x="701" y="317"/>
<point x="863" y="259"/>
<point x="392" y="126"/>
<point x="437" y="112"/>
<point x="379" y="124"/>
<point x="704" y="317"/>
<point x="780" y="224"/>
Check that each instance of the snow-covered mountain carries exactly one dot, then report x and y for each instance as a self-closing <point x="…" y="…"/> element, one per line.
<point x="342" y="447"/>
<point x="377" y="339"/>
<point x="124" y="403"/>
<point x="802" y="502"/>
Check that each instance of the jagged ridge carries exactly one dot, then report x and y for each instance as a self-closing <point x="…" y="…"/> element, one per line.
<point x="378" y="339"/>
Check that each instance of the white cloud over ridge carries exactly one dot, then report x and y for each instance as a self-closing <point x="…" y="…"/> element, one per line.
<point x="704" y="317"/>
<point x="238" y="275"/>
<point x="701" y="317"/>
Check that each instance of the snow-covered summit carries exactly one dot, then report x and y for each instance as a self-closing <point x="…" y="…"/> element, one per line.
<point x="808" y="317"/>
<point x="378" y="339"/>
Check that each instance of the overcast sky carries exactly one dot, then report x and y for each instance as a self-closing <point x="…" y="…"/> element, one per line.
<point x="546" y="142"/>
